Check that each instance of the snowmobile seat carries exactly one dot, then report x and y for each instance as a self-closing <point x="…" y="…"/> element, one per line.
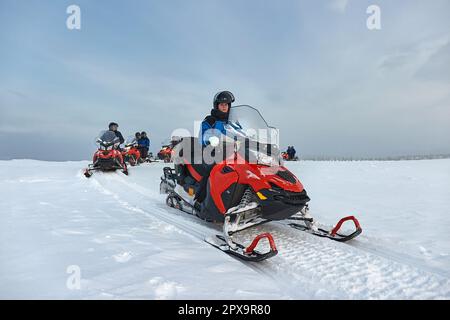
<point x="190" y="168"/>
<point x="188" y="159"/>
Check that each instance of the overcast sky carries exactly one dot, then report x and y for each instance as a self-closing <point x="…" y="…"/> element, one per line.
<point x="333" y="87"/>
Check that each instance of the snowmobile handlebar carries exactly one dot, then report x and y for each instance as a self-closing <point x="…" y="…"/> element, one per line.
<point x="133" y="144"/>
<point x="244" y="144"/>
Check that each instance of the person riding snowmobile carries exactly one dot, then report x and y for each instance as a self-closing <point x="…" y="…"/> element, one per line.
<point x="214" y="125"/>
<point x="113" y="127"/>
<point x="143" y="145"/>
<point x="137" y="136"/>
<point x="292" y="153"/>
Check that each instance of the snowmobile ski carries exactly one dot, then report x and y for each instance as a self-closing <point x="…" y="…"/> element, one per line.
<point x="88" y="172"/>
<point x="245" y="253"/>
<point x="225" y="242"/>
<point x="330" y="234"/>
<point x="239" y="250"/>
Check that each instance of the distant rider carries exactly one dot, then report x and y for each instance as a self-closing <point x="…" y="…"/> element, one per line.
<point x="289" y="153"/>
<point x="293" y="152"/>
<point x="137" y="136"/>
<point x="113" y="127"/>
<point x="143" y="145"/>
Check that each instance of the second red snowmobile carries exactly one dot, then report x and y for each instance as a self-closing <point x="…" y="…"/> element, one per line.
<point x="249" y="186"/>
<point x="165" y="153"/>
<point x="285" y="157"/>
<point x="130" y="152"/>
<point x="107" y="157"/>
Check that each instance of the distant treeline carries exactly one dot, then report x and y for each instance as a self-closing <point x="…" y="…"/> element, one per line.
<point x="392" y="158"/>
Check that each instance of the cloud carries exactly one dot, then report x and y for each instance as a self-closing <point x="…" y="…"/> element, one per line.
<point x="18" y="94"/>
<point x="13" y="129"/>
<point x="437" y="66"/>
<point x="339" y="5"/>
<point x="422" y="59"/>
<point x="396" y="60"/>
<point x="331" y="87"/>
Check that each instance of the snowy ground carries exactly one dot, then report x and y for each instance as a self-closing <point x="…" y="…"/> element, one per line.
<point x="128" y="244"/>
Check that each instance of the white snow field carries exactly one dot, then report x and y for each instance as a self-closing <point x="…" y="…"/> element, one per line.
<point x="128" y="244"/>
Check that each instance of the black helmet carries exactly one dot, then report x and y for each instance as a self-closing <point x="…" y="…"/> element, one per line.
<point x="143" y="133"/>
<point x="112" y="124"/>
<point x="137" y="134"/>
<point x="223" y="97"/>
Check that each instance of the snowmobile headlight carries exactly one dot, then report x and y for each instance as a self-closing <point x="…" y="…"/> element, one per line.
<point x="214" y="141"/>
<point x="263" y="158"/>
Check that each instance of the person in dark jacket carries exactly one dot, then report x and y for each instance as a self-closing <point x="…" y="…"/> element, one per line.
<point x="143" y="145"/>
<point x="113" y="127"/>
<point x="137" y="136"/>
<point x="293" y="152"/>
<point x="289" y="152"/>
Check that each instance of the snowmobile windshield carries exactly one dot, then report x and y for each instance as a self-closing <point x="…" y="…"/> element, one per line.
<point x="166" y="142"/>
<point x="246" y="121"/>
<point x="131" y="141"/>
<point x="107" y="140"/>
<point x="259" y="141"/>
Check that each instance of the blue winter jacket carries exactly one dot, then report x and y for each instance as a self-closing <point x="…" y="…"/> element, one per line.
<point x="144" y="142"/>
<point x="207" y="131"/>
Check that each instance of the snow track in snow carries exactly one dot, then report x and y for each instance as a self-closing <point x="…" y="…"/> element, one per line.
<point x="318" y="267"/>
<point x="129" y="244"/>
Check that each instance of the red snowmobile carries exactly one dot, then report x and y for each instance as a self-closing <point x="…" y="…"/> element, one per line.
<point x="248" y="186"/>
<point x="285" y="157"/>
<point x="107" y="157"/>
<point x="165" y="153"/>
<point x="131" y="153"/>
